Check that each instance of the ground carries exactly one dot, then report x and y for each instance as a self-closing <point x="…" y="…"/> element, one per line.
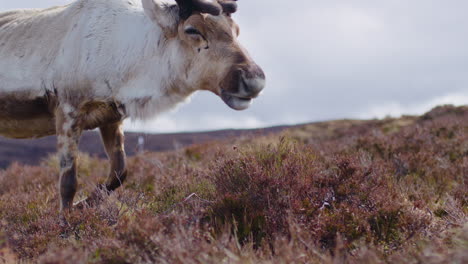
<point x="377" y="191"/>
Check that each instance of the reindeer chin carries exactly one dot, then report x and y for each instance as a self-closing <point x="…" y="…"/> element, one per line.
<point x="236" y="103"/>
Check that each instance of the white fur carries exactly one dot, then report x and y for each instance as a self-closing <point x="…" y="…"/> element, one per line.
<point x="96" y="50"/>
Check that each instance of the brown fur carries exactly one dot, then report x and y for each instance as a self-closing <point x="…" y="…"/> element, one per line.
<point x="26" y="118"/>
<point x="34" y="118"/>
<point x="97" y="114"/>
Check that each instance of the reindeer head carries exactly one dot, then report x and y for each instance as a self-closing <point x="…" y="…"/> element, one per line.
<point x="208" y="35"/>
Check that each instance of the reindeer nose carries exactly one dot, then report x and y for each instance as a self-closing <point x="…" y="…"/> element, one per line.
<point x="253" y="81"/>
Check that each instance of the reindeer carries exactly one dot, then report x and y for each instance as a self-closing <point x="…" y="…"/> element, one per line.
<point x="93" y="63"/>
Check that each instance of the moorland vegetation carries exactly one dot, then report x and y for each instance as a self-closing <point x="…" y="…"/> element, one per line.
<point x="376" y="191"/>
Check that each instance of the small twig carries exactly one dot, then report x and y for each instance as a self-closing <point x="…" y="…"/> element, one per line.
<point x="199" y="198"/>
<point x="185" y="200"/>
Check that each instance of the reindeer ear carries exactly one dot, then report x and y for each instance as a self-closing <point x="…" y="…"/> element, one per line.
<point x="165" y="16"/>
<point x="151" y="8"/>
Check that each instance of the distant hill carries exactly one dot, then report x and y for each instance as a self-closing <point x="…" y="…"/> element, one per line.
<point x="32" y="151"/>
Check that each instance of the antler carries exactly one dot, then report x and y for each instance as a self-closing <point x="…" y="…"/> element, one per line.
<point x="229" y="6"/>
<point x="187" y="7"/>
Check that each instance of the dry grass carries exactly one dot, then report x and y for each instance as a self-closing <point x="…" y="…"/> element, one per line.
<point x="380" y="191"/>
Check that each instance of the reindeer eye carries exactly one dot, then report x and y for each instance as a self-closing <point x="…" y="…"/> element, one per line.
<point x="192" y="31"/>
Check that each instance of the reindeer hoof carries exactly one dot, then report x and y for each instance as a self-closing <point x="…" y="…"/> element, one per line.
<point x="63" y="223"/>
<point x="64" y="226"/>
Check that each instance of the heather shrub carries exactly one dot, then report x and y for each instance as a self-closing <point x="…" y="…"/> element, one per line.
<point x="255" y="188"/>
<point x="260" y="189"/>
<point x="378" y="191"/>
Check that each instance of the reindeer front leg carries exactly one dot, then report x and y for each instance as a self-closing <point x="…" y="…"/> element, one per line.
<point x="68" y="136"/>
<point x="113" y="139"/>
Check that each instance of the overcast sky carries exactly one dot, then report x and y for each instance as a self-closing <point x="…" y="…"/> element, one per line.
<point x="333" y="59"/>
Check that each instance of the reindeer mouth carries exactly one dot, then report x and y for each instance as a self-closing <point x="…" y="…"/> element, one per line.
<point x="236" y="102"/>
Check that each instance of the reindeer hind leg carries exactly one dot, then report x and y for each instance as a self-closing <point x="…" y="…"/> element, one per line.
<point x="68" y="135"/>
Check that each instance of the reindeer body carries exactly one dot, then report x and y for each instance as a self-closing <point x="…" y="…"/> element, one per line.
<point x="93" y="63"/>
<point x="92" y="55"/>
